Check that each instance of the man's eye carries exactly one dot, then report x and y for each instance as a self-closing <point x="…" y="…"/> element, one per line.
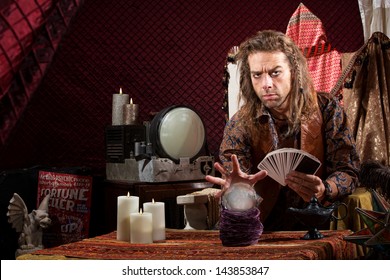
<point x="275" y="73"/>
<point x="256" y="76"/>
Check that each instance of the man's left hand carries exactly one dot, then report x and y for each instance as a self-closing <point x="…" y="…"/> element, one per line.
<point x="306" y="185"/>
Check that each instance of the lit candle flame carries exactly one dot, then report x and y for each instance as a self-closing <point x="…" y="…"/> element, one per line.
<point x="131" y="100"/>
<point x="152" y="200"/>
<point x="140" y="211"/>
<point x="128" y="194"/>
<point x="120" y="90"/>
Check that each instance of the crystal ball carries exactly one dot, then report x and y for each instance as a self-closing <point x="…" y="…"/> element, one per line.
<point x="240" y="197"/>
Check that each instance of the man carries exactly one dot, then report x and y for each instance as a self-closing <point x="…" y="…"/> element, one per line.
<point x="281" y="109"/>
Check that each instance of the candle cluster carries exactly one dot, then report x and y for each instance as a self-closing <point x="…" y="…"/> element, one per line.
<point x="140" y="226"/>
<point x="124" y="112"/>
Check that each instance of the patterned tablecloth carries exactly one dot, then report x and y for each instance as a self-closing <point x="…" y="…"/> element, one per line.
<point x="201" y="245"/>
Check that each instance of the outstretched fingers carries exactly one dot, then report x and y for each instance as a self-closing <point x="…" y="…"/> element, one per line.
<point x="257" y="176"/>
<point x="215" y="180"/>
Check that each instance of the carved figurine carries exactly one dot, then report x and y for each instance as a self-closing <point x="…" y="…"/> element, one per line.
<point x="28" y="225"/>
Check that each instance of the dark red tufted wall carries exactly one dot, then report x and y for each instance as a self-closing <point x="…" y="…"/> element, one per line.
<point x="161" y="53"/>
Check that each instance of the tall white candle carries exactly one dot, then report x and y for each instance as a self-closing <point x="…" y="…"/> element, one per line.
<point x="141" y="228"/>
<point x="118" y="101"/>
<point x="126" y="205"/>
<point x="157" y="209"/>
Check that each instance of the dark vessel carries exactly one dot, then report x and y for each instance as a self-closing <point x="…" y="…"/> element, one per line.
<point x="315" y="215"/>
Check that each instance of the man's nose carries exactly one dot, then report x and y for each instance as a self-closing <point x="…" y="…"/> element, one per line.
<point x="266" y="82"/>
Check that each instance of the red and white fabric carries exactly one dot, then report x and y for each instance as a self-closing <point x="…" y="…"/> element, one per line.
<point x="324" y="61"/>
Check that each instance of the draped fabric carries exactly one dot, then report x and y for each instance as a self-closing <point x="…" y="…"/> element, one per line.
<point x="360" y="198"/>
<point x="323" y="60"/>
<point x="365" y="86"/>
<point x="30" y="32"/>
<point x="375" y="16"/>
<point x="205" y="245"/>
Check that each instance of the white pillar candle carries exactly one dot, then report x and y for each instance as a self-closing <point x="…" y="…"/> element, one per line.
<point x="126" y="205"/>
<point x="118" y="101"/>
<point x="141" y="228"/>
<point x="157" y="209"/>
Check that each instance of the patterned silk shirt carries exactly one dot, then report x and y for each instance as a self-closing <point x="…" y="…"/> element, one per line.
<point x="340" y="164"/>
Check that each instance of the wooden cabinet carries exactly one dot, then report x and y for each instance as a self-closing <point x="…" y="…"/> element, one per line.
<point x="165" y="192"/>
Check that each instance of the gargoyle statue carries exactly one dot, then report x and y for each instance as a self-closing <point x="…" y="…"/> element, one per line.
<point x="28" y="225"/>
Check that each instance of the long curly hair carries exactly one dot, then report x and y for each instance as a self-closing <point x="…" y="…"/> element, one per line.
<point x="302" y="97"/>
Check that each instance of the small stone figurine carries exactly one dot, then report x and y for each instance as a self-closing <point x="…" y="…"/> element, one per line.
<point x="28" y="225"/>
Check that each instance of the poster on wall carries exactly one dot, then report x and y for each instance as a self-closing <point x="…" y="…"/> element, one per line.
<point x="69" y="206"/>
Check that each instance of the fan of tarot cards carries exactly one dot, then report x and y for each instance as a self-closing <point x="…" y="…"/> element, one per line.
<point x="280" y="162"/>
